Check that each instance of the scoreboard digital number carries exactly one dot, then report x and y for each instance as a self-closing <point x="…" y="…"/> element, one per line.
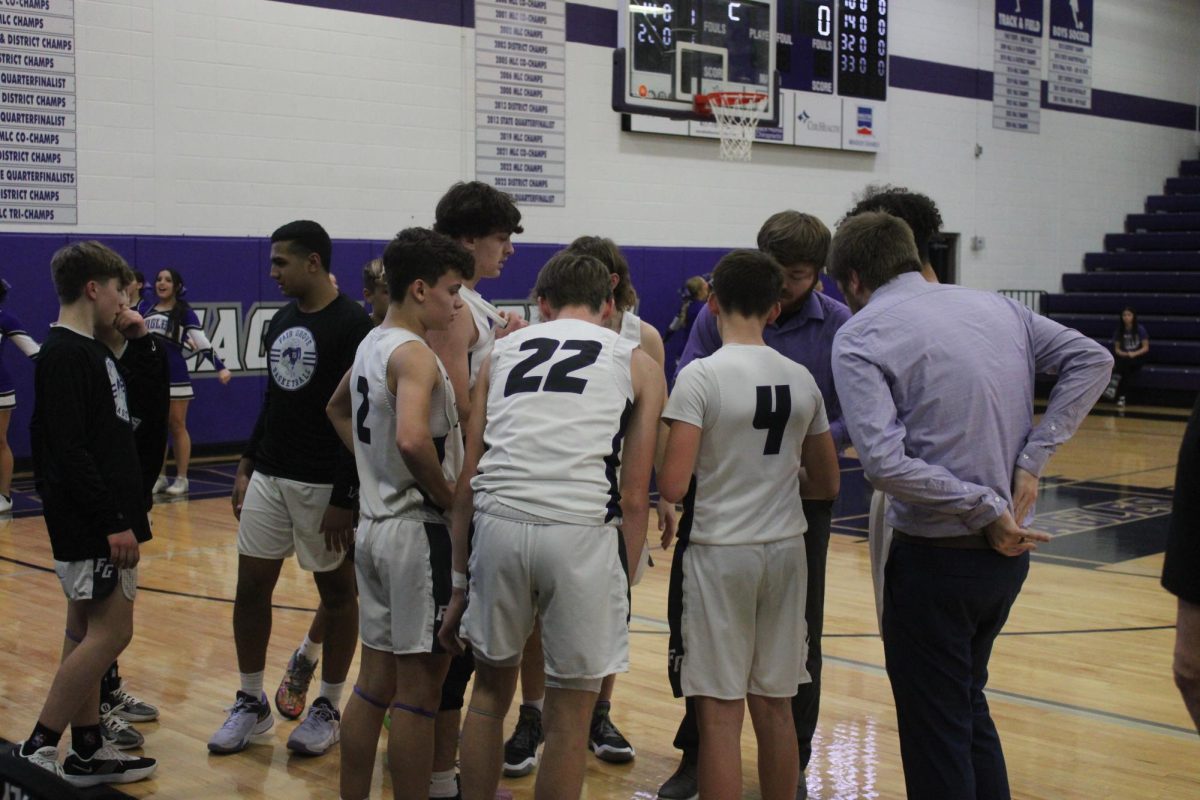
<point x="806" y="45"/>
<point x="862" y="49"/>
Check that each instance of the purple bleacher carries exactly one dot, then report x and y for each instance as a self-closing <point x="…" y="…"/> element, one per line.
<point x="1184" y="262"/>
<point x="1162" y="222"/>
<point x="1154" y="268"/>
<point x="1184" y="185"/>
<point x="1111" y="303"/>
<point x="1157" y="241"/>
<point x="1116" y="281"/>
<point x="1101" y="326"/>
<point x="1172" y="203"/>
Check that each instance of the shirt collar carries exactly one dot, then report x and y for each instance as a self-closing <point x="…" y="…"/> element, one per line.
<point x="812" y="309"/>
<point x="901" y="283"/>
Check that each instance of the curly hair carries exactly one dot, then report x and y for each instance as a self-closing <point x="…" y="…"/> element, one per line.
<point x="918" y="210"/>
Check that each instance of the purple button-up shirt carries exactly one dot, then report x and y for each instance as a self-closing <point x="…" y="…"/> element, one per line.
<point x="805" y="337"/>
<point x="937" y="389"/>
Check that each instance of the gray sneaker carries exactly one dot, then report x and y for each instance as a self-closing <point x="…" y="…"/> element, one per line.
<point x="321" y="730"/>
<point x="248" y="717"/>
<point x="44" y="757"/>
<point x="117" y="732"/>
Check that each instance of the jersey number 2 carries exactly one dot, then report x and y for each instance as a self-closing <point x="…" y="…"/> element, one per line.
<point x="360" y="419"/>
<point x="771" y="414"/>
<point x="559" y="378"/>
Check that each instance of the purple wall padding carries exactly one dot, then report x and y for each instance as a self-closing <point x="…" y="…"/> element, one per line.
<point x="234" y="271"/>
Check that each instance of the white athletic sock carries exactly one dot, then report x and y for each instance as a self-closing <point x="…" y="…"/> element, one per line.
<point x="310" y="649"/>
<point x="333" y="693"/>
<point x="252" y="683"/>
<point x="442" y="784"/>
<point x="534" y="703"/>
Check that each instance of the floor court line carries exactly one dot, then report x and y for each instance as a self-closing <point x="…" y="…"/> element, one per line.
<point x="1144" y="725"/>
<point x="1023" y="699"/>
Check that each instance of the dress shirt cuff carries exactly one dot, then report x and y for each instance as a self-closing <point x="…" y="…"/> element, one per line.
<point x="988" y="511"/>
<point x="1033" y="459"/>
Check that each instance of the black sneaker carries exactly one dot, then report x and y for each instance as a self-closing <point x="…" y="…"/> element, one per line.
<point x="606" y="741"/>
<point x="520" y="751"/>
<point x="682" y="785"/>
<point x="107" y="765"/>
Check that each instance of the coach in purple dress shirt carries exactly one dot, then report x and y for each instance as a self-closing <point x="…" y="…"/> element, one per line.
<point x="804" y="333"/>
<point x="936" y="384"/>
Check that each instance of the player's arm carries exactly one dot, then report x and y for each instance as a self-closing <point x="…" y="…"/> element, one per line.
<point x="341" y="412"/>
<point x="462" y="510"/>
<point x="451" y="346"/>
<point x="412" y="370"/>
<point x="820" y="479"/>
<point x="649" y="392"/>
<point x="679" y="460"/>
<point x="652" y="345"/>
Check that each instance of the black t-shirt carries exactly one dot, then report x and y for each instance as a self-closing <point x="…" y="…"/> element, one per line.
<point x="148" y="385"/>
<point x="1181" y="567"/>
<point x="307" y="355"/>
<point x="85" y="461"/>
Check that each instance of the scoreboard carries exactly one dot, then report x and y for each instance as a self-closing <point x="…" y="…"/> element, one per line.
<point x="862" y="49"/>
<point x="828" y="46"/>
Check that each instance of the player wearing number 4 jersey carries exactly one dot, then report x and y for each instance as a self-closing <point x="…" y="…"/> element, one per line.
<point x="396" y="408"/>
<point x="553" y="406"/>
<point x="750" y="425"/>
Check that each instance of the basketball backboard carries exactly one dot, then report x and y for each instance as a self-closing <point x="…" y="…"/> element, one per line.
<point x="669" y="51"/>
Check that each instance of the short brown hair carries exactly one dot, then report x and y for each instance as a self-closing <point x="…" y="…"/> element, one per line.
<point x="747" y="282"/>
<point x="793" y="238"/>
<point x="875" y="245"/>
<point x="607" y="253"/>
<point x="79" y="262"/>
<point x="573" y="279"/>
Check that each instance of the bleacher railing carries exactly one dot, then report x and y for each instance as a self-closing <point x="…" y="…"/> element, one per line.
<point x="1034" y="299"/>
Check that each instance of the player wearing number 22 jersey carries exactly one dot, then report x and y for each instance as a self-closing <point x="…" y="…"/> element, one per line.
<point x="544" y="461"/>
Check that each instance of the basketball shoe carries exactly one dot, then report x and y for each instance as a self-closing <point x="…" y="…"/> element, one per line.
<point x="320" y="730"/>
<point x="605" y="740"/>
<point x="520" y="751"/>
<point x="292" y="693"/>
<point x="107" y="765"/>
<point x="248" y="717"/>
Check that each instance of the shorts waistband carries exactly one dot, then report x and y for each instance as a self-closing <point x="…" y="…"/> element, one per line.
<point x="974" y="541"/>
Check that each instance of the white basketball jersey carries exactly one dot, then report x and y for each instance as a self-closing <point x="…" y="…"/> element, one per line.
<point x="558" y="400"/>
<point x="755" y="408"/>
<point x="386" y="486"/>
<point x="478" y="352"/>
<point x="631" y="328"/>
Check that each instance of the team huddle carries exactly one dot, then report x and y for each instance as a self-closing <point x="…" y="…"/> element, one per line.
<point x="471" y="493"/>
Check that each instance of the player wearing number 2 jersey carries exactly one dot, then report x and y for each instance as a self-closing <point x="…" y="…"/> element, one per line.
<point x="749" y="438"/>
<point x="396" y="409"/>
<point x="552" y="406"/>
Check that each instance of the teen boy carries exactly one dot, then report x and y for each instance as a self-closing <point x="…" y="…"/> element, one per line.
<point x="553" y="404"/>
<point x="750" y="425"/>
<point x="87" y="473"/>
<point x="396" y="409"/>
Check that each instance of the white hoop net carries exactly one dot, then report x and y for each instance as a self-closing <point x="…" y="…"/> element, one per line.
<point x="737" y="115"/>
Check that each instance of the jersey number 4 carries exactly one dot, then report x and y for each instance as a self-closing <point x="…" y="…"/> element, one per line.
<point x="771" y="414"/>
<point x="559" y="377"/>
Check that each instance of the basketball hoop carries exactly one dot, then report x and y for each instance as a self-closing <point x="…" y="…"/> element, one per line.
<point x="736" y="114"/>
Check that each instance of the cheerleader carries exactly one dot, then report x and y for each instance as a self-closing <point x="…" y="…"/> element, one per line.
<point x="11" y="330"/>
<point x="173" y="319"/>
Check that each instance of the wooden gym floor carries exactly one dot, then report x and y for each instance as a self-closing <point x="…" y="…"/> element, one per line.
<point x="1081" y="684"/>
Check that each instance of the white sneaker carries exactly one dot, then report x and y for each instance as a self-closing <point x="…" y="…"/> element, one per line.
<point x="5" y="504"/>
<point x="178" y="488"/>
<point x="160" y="485"/>
<point x="44" y="757"/>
